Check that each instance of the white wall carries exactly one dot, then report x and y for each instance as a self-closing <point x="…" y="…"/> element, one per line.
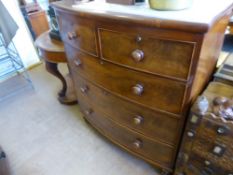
<point x="22" y="39"/>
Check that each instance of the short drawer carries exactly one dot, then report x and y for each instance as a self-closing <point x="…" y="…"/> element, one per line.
<point x="78" y="32"/>
<point x="158" y="56"/>
<point x="156" y="153"/>
<point x="214" y="130"/>
<point x="217" y="152"/>
<point x="158" y="126"/>
<point x="148" y="90"/>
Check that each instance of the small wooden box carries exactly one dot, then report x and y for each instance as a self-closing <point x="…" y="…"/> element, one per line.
<point x="207" y="141"/>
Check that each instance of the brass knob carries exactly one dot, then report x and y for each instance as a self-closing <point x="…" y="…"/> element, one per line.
<point x="138" y="120"/>
<point x="84" y="89"/>
<point x="138" y="89"/>
<point x="138" y="55"/>
<point x="77" y="62"/>
<point x="137" y="143"/>
<point x="72" y="35"/>
<point x="88" y="111"/>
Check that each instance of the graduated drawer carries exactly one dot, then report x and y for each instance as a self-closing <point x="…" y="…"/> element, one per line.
<point x="148" y="90"/>
<point x="146" y="53"/>
<point x="158" y="126"/>
<point x="154" y="152"/>
<point x="78" y="32"/>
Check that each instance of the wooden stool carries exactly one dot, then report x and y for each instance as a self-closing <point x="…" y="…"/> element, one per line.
<point x="53" y="53"/>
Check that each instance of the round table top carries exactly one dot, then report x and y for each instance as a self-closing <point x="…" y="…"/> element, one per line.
<point x="46" y="43"/>
<point x="50" y="49"/>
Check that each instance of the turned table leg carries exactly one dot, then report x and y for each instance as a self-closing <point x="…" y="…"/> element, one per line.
<point x="62" y="95"/>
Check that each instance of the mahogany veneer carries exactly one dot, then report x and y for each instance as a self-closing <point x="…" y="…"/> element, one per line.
<point x="137" y="74"/>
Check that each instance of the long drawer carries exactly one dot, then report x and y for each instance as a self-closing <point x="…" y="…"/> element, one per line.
<point x="154" y="152"/>
<point x="170" y="58"/>
<point x="154" y="92"/>
<point x="158" y="126"/>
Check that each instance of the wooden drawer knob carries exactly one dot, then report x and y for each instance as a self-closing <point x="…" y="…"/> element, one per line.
<point x="88" y="111"/>
<point x="138" y="89"/>
<point x="77" y="62"/>
<point x="137" y="144"/>
<point x="138" y="120"/>
<point x="138" y="55"/>
<point x="72" y="35"/>
<point x="84" y="89"/>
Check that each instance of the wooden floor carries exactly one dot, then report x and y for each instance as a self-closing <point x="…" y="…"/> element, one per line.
<point x="42" y="137"/>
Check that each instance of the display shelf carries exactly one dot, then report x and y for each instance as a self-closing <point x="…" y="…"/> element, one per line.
<point x="11" y="69"/>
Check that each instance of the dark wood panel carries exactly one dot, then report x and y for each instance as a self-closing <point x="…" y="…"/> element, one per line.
<point x="150" y="123"/>
<point x="170" y="58"/>
<point x="154" y="152"/>
<point x="157" y="93"/>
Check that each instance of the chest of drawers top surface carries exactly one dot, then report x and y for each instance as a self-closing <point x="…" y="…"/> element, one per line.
<point x="195" y="18"/>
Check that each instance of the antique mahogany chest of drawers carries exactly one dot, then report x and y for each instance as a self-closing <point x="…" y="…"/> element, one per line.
<point x="137" y="70"/>
<point x="207" y="146"/>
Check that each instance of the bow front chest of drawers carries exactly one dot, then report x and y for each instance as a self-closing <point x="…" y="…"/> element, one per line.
<point x="137" y="70"/>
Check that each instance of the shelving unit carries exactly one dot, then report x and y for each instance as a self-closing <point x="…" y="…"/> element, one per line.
<point x="13" y="75"/>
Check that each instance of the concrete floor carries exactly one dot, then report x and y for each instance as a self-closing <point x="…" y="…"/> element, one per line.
<point x="42" y="137"/>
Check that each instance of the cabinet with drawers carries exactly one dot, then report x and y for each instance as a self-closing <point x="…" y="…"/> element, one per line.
<point x="137" y="74"/>
<point x="207" y="146"/>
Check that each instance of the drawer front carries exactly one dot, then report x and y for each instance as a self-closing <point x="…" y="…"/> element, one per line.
<point x="158" y="56"/>
<point x="203" y="165"/>
<point x="216" y="131"/>
<point x="156" y="125"/>
<point x="156" y="153"/>
<point x="214" y="141"/>
<point x="78" y="32"/>
<point x="219" y="153"/>
<point x="148" y="90"/>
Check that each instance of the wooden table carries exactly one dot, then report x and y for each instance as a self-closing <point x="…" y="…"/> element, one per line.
<point x="53" y="53"/>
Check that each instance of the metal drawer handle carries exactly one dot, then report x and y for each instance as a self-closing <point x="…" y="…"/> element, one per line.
<point x="72" y="35"/>
<point x="77" y="62"/>
<point x="190" y="134"/>
<point x="138" y="55"/>
<point x="222" y="130"/>
<point x="138" y="120"/>
<point x="138" y="144"/>
<point x="138" y="89"/>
